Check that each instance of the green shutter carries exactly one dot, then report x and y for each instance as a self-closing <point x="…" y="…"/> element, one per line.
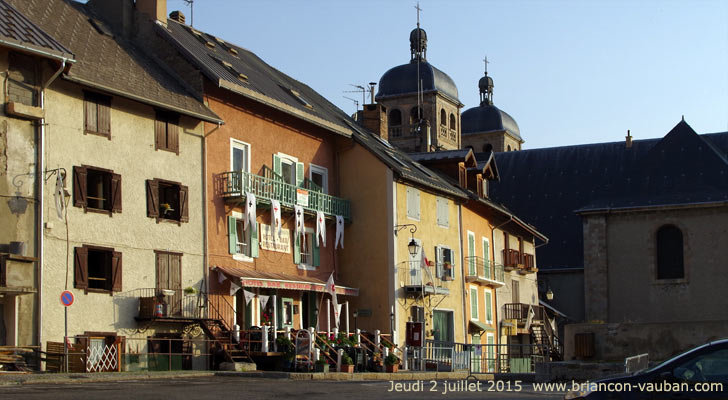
<point x="299" y="174"/>
<point x="488" y="306"/>
<point x="276" y="164"/>
<point x="316" y="255"/>
<point x="473" y="303"/>
<point x="471" y="253"/>
<point x="297" y="249"/>
<point x="486" y="252"/>
<point x="232" y="235"/>
<point x="254" y="246"/>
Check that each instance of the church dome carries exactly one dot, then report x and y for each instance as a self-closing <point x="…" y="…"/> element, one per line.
<point x="402" y="80"/>
<point x="487" y="118"/>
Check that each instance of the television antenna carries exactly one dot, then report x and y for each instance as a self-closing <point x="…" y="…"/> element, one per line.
<point x="192" y="15"/>
<point x="359" y="89"/>
<point x="356" y="102"/>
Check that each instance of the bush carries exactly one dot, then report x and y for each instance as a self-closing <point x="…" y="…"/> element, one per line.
<point x="391" y="359"/>
<point x="345" y="359"/>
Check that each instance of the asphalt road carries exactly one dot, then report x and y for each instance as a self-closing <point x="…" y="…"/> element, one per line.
<point x="256" y="388"/>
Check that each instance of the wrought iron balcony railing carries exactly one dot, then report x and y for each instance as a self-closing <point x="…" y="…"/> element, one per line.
<point x="482" y="270"/>
<point x="414" y="278"/>
<point x="235" y="184"/>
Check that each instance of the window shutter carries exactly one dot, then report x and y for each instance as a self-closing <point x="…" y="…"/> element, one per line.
<point x="297" y="249"/>
<point x="299" y="174"/>
<point x="79" y="186"/>
<point x="488" y="307"/>
<point x="104" y="115"/>
<point x="253" y="243"/>
<point x="80" y="266"/>
<point x="438" y="261"/>
<point x="175" y="271"/>
<point x="417" y="204"/>
<point x="152" y="198"/>
<point x="184" y="195"/>
<point x="277" y="164"/>
<point x="473" y="303"/>
<point x="316" y="254"/>
<point x="173" y="135"/>
<point x="160" y="128"/>
<point x="116" y="272"/>
<point x="115" y="193"/>
<point x="90" y="115"/>
<point x="162" y="270"/>
<point x="486" y="258"/>
<point x="232" y="235"/>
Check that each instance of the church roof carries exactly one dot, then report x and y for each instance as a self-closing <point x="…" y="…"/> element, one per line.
<point x="488" y="118"/>
<point x="402" y="80"/>
<point x="548" y="187"/>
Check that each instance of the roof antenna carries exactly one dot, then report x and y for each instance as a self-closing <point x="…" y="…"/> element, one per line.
<point x="360" y="89"/>
<point x="356" y="102"/>
<point x="192" y="15"/>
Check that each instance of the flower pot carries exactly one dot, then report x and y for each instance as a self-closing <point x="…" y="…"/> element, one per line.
<point x="322" y="367"/>
<point x="348" y="368"/>
<point x="393" y="368"/>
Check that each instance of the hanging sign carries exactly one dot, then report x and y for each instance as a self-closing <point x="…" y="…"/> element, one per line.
<point x="302" y="197"/>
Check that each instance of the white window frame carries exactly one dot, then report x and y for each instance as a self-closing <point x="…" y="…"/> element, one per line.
<point x="302" y="265"/>
<point x="285" y="158"/>
<point x="486" y="256"/>
<point x="487" y="292"/>
<point x="313" y="168"/>
<point x="440" y="261"/>
<point x="234" y="143"/>
<point x="240" y="256"/>
<point x="416" y="192"/>
<point x="477" y="303"/>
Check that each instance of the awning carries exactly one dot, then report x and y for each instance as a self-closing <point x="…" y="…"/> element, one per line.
<point x="271" y="280"/>
<point x="552" y="309"/>
<point x="477" y="326"/>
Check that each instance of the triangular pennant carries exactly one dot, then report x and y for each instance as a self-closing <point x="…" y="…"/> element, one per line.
<point x="248" y="296"/>
<point x="220" y="277"/>
<point x="234" y="287"/>
<point x="263" y="300"/>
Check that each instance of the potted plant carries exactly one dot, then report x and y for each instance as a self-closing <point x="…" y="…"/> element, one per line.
<point x="164" y="208"/>
<point x="189" y="290"/>
<point x="322" y="365"/>
<point x="392" y="363"/>
<point x="347" y="364"/>
<point x="447" y="265"/>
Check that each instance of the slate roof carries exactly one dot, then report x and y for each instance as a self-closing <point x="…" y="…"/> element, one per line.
<point x="445" y="155"/>
<point x="488" y="118"/>
<point x="241" y="71"/>
<point x="16" y="29"/>
<point x="109" y="63"/>
<point x="402" y="80"/>
<point x="548" y="186"/>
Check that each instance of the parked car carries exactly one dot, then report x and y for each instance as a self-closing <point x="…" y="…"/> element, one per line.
<point x="699" y="373"/>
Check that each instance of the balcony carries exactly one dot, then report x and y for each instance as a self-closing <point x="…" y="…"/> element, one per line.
<point x="236" y="183"/>
<point x="478" y="269"/>
<point x="416" y="280"/>
<point x="519" y="312"/>
<point x="171" y="305"/>
<point x="515" y="260"/>
<point x="395" y="131"/>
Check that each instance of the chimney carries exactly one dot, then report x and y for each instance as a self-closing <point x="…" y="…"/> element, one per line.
<point x="374" y="119"/>
<point x="628" y="141"/>
<point x="177" y="16"/>
<point x="155" y="9"/>
<point x="117" y="13"/>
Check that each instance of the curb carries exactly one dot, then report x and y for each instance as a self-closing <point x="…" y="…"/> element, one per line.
<point x="80" y="378"/>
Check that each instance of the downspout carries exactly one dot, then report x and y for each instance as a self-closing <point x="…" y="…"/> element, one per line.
<point x="205" y="252"/>
<point x="40" y="179"/>
<point x="462" y="270"/>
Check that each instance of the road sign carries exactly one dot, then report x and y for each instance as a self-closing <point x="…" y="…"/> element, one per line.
<point x="66" y="298"/>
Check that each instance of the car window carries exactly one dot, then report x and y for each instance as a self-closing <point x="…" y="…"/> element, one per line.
<point x="709" y="367"/>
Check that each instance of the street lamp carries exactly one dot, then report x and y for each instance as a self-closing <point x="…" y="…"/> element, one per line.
<point x="549" y="294"/>
<point x="412" y="246"/>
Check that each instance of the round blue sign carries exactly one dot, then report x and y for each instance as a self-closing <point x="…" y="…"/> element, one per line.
<point x="66" y="298"/>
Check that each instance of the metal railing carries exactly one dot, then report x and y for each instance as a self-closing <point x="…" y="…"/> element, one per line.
<point x="414" y="277"/>
<point x="168" y="303"/>
<point x="519" y="311"/>
<point x="446" y="356"/>
<point x="395" y="131"/>
<point x="506" y="358"/>
<point x="480" y="268"/>
<point x="238" y="183"/>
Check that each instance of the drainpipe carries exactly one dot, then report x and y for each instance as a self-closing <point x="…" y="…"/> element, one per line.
<point x="205" y="257"/>
<point x="40" y="179"/>
<point x="462" y="270"/>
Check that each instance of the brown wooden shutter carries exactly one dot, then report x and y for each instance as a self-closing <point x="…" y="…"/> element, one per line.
<point x="90" y="115"/>
<point x="116" y="272"/>
<point x="160" y="128"/>
<point x="115" y="193"/>
<point x="173" y="135"/>
<point x="184" y="195"/>
<point x="152" y="198"/>
<point x="175" y="271"/>
<point x="104" y="116"/>
<point x="79" y="186"/>
<point x="162" y="270"/>
<point x="80" y="267"/>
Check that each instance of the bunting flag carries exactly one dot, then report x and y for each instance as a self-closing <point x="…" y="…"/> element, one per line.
<point x="263" y="300"/>
<point x="234" y="287"/>
<point x="331" y="290"/>
<point x="320" y="229"/>
<point x="423" y="260"/>
<point x="220" y="277"/>
<point x="531" y="315"/>
<point x="337" y="314"/>
<point x="275" y="209"/>
<point x="248" y="296"/>
<point x="59" y="197"/>
<point x="339" y="231"/>
<point x="250" y="205"/>
<point x="298" y="210"/>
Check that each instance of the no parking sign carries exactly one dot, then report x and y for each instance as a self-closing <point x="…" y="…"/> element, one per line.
<point x="66" y="298"/>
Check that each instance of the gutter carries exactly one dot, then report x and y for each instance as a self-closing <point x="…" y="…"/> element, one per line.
<point x="609" y="210"/>
<point x="64" y="58"/>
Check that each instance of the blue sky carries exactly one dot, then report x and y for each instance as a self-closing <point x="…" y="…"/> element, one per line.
<point x="569" y="72"/>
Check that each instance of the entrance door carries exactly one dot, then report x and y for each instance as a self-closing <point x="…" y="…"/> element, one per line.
<point x="169" y="276"/>
<point x="442" y="323"/>
<point x="309" y="314"/>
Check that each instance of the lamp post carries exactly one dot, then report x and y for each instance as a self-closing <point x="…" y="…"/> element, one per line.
<point x="549" y="294"/>
<point x="412" y="246"/>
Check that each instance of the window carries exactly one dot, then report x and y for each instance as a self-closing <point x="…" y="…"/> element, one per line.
<point x="413" y="203"/>
<point x="97" y="269"/>
<point x="487" y="148"/>
<point x="708" y="367"/>
<point x="486" y="258"/>
<point x="167" y="200"/>
<point x="239" y="156"/>
<point x="509" y="147"/>
<point x="515" y="295"/>
<point x="169" y="276"/>
<point x="443" y="117"/>
<point x="320" y="177"/>
<point x="670" y="263"/>
<point x="445" y="263"/>
<point x="22" y="79"/>
<point x="287" y="312"/>
<point x="488" y="307"/>
<point x="395" y="118"/>
<point x="242" y="244"/>
<point x="473" y="303"/>
<point x="306" y="255"/>
<point x="288" y="168"/>
<point x="96" y="189"/>
<point x="452" y="122"/>
<point x="97" y="114"/>
<point x="166" y="136"/>
<point x="443" y="214"/>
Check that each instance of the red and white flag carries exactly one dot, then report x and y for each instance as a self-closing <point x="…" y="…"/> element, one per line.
<point x="320" y="229"/>
<point x="339" y="232"/>
<point x="275" y="209"/>
<point x="331" y="289"/>
<point x="298" y="211"/>
<point x="250" y="205"/>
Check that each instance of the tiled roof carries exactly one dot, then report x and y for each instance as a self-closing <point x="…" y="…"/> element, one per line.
<point x="16" y="29"/>
<point x="107" y="62"/>
<point x="241" y="71"/>
<point x="547" y="186"/>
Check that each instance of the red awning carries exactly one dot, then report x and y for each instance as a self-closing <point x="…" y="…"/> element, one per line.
<point x="271" y="280"/>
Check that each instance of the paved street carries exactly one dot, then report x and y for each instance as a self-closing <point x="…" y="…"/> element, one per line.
<point x="249" y="388"/>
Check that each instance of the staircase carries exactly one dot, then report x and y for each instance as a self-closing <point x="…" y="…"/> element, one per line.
<point x="216" y="328"/>
<point x="543" y="335"/>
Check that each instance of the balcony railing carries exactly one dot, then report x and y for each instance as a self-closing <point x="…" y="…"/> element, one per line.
<point x="482" y="270"/>
<point x="514" y="259"/>
<point x="168" y="304"/>
<point x="236" y="183"/>
<point x="416" y="279"/>
<point x="519" y="312"/>
<point x="395" y="131"/>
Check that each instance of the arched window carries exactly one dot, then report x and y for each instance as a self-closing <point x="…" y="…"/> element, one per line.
<point x="509" y="147"/>
<point x="670" y="253"/>
<point x="452" y="122"/>
<point x="443" y="117"/>
<point x="415" y="116"/>
<point x="395" y="118"/>
<point x="487" y="148"/>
